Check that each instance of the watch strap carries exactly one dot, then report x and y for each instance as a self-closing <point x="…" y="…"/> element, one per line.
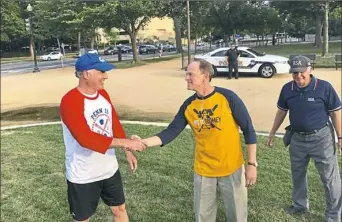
<point x="253" y="164"/>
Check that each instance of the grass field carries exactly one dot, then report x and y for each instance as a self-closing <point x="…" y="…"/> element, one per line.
<point x="34" y="187"/>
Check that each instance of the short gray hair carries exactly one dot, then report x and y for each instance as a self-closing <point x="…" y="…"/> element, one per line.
<point x="78" y="74"/>
<point x="206" y="66"/>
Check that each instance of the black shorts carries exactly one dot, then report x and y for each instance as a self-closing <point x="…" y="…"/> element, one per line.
<point x="83" y="198"/>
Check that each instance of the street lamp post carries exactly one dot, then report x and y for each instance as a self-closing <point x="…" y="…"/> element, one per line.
<point x="188" y="17"/>
<point x="35" y="69"/>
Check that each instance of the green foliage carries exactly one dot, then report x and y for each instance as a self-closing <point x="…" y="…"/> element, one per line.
<point x="130" y="16"/>
<point x="12" y="24"/>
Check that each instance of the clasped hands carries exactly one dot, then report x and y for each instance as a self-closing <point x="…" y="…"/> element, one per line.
<point x="135" y="144"/>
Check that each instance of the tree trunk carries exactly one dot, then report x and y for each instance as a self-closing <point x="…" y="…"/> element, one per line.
<point x="133" y="37"/>
<point x="325" y="30"/>
<point x="79" y="40"/>
<point x="257" y="43"/>
<point x="59" y="45"/>
<point x="38" y="49"/>
<point x="273" y="39"/>
<point x="92" y="42"/>
<point x="226" y="40"/>
<point x="177" y="24"/>
<point x="319" y="24"/>
<point x="195" y="45"/>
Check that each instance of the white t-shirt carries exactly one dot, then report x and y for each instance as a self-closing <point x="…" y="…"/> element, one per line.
<point x="89" y="125"/>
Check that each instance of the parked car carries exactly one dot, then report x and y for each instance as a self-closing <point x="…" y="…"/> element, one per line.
<point x="125" y="49"/>
<point x="51" y="56"/>
<point x="250" y="61"/>
<point x="169" y="48"/>
<point x="148" y="49"/>
<point x="111" y="50"/>
<point x="86" y="50"/>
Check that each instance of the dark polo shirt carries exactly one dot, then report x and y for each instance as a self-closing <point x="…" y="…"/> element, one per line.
<point x="309" y="107"/>
<point x="232" y="55"/>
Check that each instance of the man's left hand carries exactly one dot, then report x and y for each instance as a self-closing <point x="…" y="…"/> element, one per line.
<point x="251" y="175"/>
<point x="132" y="161"/>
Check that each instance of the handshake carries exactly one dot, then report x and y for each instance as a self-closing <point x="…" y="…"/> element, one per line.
<point x="134" y="144"/>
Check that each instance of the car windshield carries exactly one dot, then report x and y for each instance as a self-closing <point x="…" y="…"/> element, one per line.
<point x="255" y="52"/>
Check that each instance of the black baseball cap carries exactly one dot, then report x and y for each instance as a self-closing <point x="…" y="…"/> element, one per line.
<point x="299" y="64"/>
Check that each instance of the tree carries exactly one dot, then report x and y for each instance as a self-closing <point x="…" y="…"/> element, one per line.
<point x="12" y="24"/>
<point x="335" y="22"/>
<point x="111" y="35"/>
<point x="325" y="30"/>
<point x="130" y="16"/>
<point x="177" y="11"/>
<point x="311" y="10"/>
<point x="262" y="19"/>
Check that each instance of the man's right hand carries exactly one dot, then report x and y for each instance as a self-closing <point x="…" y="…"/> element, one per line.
<point x="270" y="140"/>
<point x="134" y="145"/>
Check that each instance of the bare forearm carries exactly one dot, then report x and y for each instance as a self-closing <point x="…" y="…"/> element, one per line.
<point x="152" y="141"/>
<point x="116" y="142"/>
<point x="251" y="152"/>
<point x="278" y="120"/>
<point x="336" y="120"/>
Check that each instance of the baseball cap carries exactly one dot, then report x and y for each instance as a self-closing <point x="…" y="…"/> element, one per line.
<point x="299" y="64"/>
<point x="92" y="61"/>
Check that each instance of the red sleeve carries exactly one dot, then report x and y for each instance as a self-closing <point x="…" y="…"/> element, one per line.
<point x="72" y="115"/>
<point x="118" y="130"/>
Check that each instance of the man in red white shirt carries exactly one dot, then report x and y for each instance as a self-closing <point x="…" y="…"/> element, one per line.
<point x="91" y="131"/>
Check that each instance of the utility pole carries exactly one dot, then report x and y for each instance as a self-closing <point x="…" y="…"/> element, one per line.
<point x="326" y="29"/>
<point x="188" y="14"/>
<point x="29" y="9"/>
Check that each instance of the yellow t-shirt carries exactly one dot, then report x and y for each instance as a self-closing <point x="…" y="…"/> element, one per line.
<point x="215" y="121"/>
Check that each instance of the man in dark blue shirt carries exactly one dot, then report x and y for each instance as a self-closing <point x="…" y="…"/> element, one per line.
<point x="232" y="58"/>
<point x="311" y="103"/>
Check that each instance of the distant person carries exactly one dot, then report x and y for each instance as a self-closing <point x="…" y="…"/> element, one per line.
<point x="91" y="131"/>
<point x="311" y="102"/>
<point x="215" y="115"/>
<point x="160" y="50"/>
<point x="232" y="58"/>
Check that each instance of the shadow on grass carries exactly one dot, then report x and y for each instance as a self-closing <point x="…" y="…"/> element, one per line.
<point x="51" y="113"/>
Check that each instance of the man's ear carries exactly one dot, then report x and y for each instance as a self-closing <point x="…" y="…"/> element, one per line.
<point x="207" y="75"/>
<point x="86" y="74"/>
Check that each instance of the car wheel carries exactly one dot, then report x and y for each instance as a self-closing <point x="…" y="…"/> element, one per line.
<point x="49" y="59"/>
<point x="266" y="71"/>
<point x="215" y="71"/>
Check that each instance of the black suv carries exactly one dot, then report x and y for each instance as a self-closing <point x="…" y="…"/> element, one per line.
<point x="147" y="49"/>
<point x="111" y="50"/>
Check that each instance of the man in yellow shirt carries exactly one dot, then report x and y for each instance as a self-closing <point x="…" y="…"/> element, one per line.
<point x="215" y="116"/>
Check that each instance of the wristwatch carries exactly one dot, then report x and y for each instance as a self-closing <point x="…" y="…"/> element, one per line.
<point x="340" y="137"/>
<point x="253" y="164"/>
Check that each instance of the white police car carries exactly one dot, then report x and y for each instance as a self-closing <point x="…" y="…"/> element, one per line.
<point x="250" y="61"/>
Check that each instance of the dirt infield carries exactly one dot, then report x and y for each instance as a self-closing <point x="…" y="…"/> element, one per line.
<point x="156" y="89"/>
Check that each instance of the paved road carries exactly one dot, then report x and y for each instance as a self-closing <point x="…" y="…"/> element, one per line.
<point x="27" y="67"/>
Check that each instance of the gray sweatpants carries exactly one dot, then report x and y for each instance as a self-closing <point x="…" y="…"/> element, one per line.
<point x="233" y="192"/>
<point x="319" y="147"/>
